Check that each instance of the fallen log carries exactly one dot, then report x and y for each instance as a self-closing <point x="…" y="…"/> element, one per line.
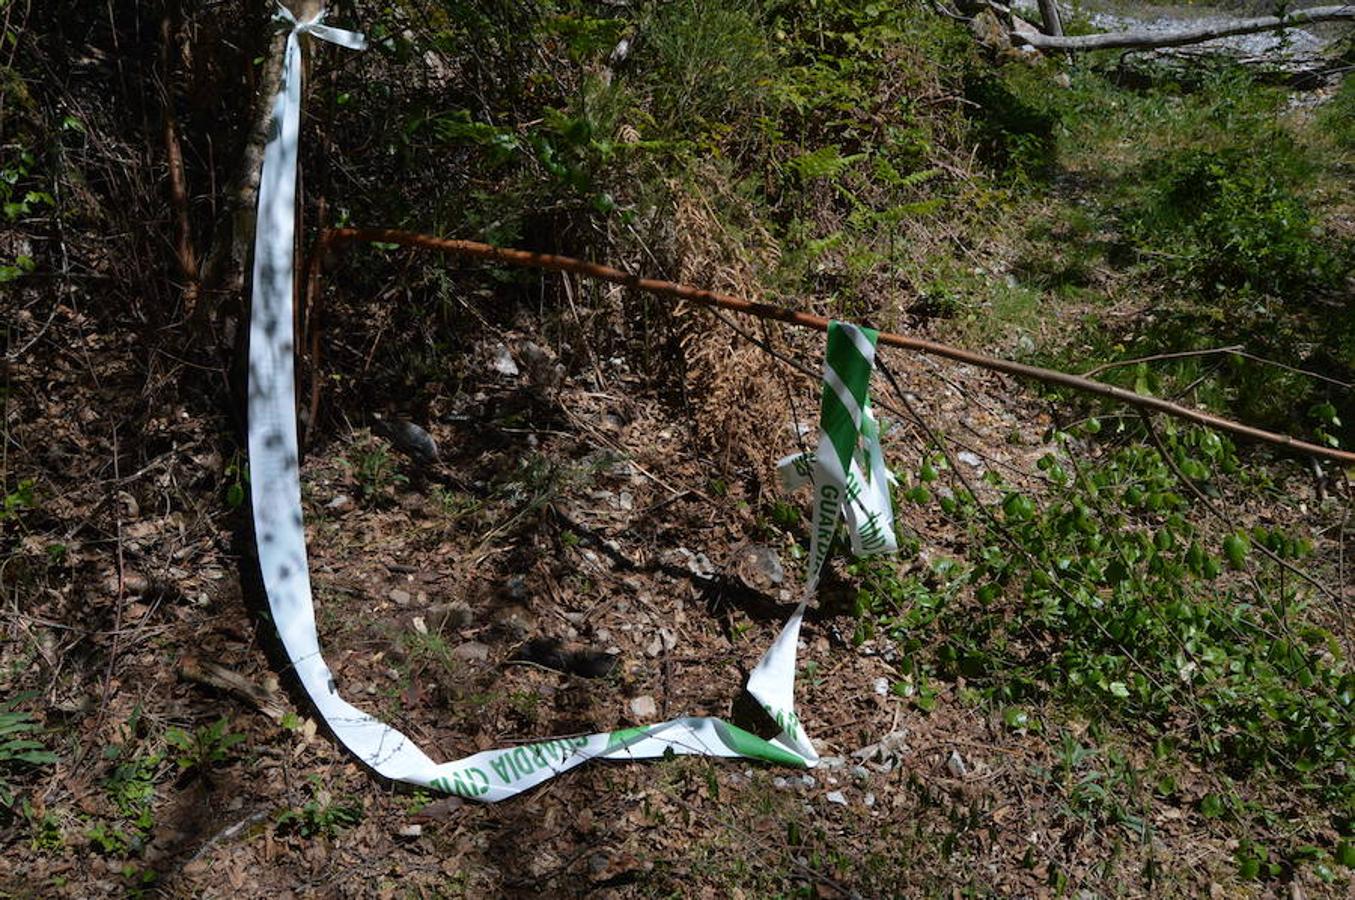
<point x="1144" y="39"/>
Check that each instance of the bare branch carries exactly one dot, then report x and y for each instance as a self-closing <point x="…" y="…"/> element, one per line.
<point x="1139" y="39"/>
<point x="702" y="297"/>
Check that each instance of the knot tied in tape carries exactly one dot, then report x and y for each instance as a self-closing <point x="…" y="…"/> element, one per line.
<point x="353" y="40"/>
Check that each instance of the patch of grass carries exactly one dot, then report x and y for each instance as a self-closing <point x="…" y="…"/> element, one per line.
<point x="1014" y="125"/>
<point x="1204" y="204"/>
<point x="712" y="61"/>
<point x="1337" y="117"/>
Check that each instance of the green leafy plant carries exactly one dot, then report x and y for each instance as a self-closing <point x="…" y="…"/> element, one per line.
<point x="18" y="202"/>
<point x="19" y="748"/>
<point x="1139" y="614"/>
<point x="1230" y="218"/>
<point x="237" y="482"/>
<point x="204" y="748"/>
<point x="17" y="500"/>
<point x="377" y="472"/>
<point x="323" y="815"/>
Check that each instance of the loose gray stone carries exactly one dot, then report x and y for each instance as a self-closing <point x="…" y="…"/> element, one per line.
<point x="644" y="708"/>
<point x="501" y="361"/>
<point x="409" y="439"/>
<point x="471" y="651"/>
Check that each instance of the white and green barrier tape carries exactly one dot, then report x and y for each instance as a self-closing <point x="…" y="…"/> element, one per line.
<point x="275" y="493"/>
<point x="848" y="469"/>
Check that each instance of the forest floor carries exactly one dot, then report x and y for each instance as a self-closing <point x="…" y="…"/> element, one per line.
<point x="583" y="513"/>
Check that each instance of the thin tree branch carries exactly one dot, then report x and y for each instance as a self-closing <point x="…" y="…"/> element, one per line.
<point x="702" y="297"/>
<point x="184" y="254"/>
<point x="1235" y="349"/>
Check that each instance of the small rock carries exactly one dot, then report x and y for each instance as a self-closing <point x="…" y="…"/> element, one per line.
<point x="342" y="504"/>
<point x="129" y="504"/>
<point x="869" y="800"/>
<point x="780" y="783"/>
<point x="400" y="597"/>
<point x="450" y="615"/>
<point x="832" y="762"/>
<point x="955" y="765"/>
<point x="515" y="620"/>
<point x="543" y="368"/>
<point x="969" y="459"/>
<point x="419" y="625"/>
<point x="698" y="563"/>
<point x="836" y="797"/>
<point x="501" y="361"/>
<point x="808" y="781"/>
<point x="411" y="831"/>
<point x="880" y="686"/>
<point x="860" y="772"/>
<point x="644" y="708"/>
<point x="759" y="567"/>
<point x="471" y="651"/>
<point x="887" y="750"/>
<point x="409" y="439"/>
<point x="133" y="583"/>
<point x="654" y="647"/>
<point x="517" y="587"/>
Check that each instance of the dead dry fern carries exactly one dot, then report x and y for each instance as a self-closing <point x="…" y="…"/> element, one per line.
<point x="740" y="394"/>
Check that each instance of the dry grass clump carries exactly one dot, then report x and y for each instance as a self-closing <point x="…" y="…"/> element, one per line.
<point x="746" y="402"/>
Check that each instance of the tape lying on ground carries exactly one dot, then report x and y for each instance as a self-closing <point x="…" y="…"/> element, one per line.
<point x="280" y="539"/>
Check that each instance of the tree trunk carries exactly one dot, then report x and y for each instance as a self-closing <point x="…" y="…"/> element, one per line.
<point x="1049" y="15"/>
<point x="223" y="275"/>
